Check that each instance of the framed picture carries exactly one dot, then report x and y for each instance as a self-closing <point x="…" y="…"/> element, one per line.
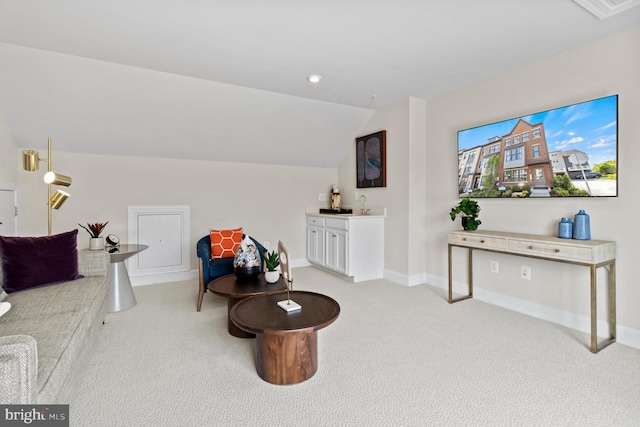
<point x="371" y="162"/>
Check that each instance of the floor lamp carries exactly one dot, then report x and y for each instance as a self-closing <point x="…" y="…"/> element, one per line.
<point x="30" y="162"/>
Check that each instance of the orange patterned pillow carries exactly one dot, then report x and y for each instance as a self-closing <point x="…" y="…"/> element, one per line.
<point x="224" y="243"/>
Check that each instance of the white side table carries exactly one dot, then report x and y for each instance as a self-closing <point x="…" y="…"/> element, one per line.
<point x="120" y="292"/>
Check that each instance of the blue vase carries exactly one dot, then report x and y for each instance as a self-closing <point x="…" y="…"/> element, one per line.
<point x="581" y="226"/>
<point x="565" y="229"/>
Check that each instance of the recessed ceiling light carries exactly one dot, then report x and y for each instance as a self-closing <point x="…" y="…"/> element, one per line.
<point x="314" y="78"/>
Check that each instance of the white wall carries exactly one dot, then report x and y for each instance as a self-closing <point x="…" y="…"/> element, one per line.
<point x="404" y="194"/>
<point x="610" y="66"/>
<point x="8" y="168"/>
<point x="268" y="201"/>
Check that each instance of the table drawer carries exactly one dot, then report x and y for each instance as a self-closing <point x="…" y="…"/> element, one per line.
<point x="550" y="250"/>
<point x="468" y="239"/>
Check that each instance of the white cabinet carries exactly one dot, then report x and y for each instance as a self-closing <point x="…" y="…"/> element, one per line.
<point x="315" y="243"/>
<point x="349" y="245"/>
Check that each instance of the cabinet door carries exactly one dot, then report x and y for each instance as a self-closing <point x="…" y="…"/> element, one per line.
<point x="315" y="245"/>
<point x="337" y="249"/>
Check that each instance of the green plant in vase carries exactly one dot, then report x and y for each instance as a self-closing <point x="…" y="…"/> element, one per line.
<point x="468" y="210"/>
<point x="272" y="261"/>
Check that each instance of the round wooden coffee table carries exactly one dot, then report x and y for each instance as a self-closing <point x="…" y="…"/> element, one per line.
<point x="236" y="290"/>
<point x="287" y="345"/>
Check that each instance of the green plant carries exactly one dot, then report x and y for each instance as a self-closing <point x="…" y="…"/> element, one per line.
<point x="469" y="209"/>
<point x="94" y="229"/>
<point x="272" y="259"/>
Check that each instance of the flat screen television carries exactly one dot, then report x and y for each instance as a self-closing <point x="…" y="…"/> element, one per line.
<point x="569" y="151"/>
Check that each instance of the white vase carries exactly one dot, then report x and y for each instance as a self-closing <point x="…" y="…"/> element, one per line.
<point x="96" y="243"/>
<point x="272" y="276"/>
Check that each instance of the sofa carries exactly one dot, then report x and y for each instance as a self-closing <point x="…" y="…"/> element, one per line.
<point x="48" y="328"/>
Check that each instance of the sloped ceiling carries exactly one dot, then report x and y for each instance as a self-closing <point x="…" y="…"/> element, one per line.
<point x="226" y="80"/>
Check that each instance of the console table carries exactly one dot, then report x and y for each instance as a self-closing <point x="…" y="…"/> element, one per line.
<point x="589" y="253"/>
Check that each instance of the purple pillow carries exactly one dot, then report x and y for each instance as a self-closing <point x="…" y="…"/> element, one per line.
<point x="30" y="262"/>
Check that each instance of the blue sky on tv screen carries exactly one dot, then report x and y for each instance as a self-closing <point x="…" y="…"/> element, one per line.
<point x="589" y="126"/>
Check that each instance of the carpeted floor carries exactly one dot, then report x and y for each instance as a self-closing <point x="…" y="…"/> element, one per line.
<point x="396" y="356"/>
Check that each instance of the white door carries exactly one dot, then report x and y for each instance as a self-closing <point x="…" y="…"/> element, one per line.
<point x="8" y="219"/>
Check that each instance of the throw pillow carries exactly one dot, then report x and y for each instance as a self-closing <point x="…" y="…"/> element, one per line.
<point x="30" y="262"/>
<point x="224" y="243"/>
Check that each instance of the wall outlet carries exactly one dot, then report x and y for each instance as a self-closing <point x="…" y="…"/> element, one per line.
<point x="525" y="272"/>
<point x="266" y="245"/>
<point x="322" y="197"/>
<point x="494" y="267"/>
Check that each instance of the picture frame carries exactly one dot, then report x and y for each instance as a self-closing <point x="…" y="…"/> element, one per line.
<point x="371" y="161"/>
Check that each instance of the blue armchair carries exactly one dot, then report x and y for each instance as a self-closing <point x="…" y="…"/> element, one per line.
<point x="211" y="269"/>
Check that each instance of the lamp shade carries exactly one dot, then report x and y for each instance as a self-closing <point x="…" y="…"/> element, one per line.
<point x="30" y="160"/>
<point x="57" y="179"/>
<point x="58" y="199"/>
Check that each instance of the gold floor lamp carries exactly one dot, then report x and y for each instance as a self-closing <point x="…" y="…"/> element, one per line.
<point x="30" y="162"/>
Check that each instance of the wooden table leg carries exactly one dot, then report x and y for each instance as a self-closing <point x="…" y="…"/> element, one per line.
<point x="287" y="358"/>
<point x="231" y="327"/>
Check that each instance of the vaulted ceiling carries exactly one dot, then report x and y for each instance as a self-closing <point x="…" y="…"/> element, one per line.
<point x="226" y="80"/>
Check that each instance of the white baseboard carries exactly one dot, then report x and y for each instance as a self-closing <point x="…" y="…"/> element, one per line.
<point x="625" y="335"/>
<point x="154" y="279"/>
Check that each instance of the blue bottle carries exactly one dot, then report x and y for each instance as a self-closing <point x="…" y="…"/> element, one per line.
<point x="581" y="226"/>
<point x="565" y="229"/>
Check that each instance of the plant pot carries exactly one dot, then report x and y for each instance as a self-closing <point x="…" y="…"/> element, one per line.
<point x="469" y="223"/>
<point x="96" y="243"/>
<point x="272" y="276"/>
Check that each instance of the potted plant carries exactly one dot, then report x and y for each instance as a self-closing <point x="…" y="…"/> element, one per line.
<point x="96" y="242"/>
<point x="272" y="259"/>
<point x="468" y="210"/>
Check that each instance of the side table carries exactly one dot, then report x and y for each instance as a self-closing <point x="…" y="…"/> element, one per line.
<point x="236" y="290"/>
<point x="120" y="292"/>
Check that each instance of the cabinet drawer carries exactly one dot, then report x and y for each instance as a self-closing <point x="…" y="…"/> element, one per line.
<point x="550" y="250"/>
<point x="314" y="220"/>
<point x="338" y="224"/>
<point x="468" y="239"/>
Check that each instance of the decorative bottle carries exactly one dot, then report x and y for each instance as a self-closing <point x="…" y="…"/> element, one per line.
<point x="565" y="229"/>
<point x="581" y="226"/>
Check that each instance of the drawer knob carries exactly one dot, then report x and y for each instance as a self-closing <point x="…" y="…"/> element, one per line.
<point x="530" y="247"/>
<point x="556" y="250"/>
<point x="481" y="241"/>
<point x="464" y="239"/>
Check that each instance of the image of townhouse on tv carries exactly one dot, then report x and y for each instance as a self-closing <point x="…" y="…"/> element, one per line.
<point x="564" y="152"/>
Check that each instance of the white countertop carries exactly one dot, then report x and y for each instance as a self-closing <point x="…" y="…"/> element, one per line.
<point x="373" y="213"/>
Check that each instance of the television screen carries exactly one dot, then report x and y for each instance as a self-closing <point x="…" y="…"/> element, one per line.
<point x="565" y="152"/>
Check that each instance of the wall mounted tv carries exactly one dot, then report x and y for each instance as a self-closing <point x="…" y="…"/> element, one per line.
<point x="569" y="151"/>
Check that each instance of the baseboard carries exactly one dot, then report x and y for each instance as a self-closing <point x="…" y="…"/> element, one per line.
<point x="625" y="335"/>
<point x="154" y="279"/>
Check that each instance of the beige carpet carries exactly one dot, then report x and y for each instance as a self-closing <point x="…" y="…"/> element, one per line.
<point x="396" y="356"/>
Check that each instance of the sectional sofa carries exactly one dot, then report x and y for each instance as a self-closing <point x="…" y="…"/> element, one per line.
<point x="47" y="329"/>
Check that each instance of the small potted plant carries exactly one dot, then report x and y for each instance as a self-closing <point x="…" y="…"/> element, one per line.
<point x="272" y="259"/>
<point x="468" y="210"/>
<point x="96" y="242"/>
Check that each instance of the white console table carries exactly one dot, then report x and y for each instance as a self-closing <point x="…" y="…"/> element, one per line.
<point x="589" y="253"/>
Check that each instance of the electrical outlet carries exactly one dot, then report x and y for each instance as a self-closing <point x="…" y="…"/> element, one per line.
<point x="495" y="267"/>
<point x="266" y="245"/>
<point x="525" y="272"/>
<point x="322" y="197"/>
